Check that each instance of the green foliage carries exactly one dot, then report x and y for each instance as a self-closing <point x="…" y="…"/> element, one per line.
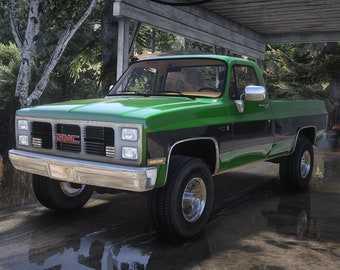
<point x="143" y="41"/>
<point x="301" y="70"/>
<point x="164" y="41"/>
<point x="21" y="15"/>
<point x="82" y="65"/>
<point x="152" y="39"/>
<point x="8" y="76"/>
<point x="9" y="54"/>
<point x="84" y="62"/>
<point x="59" y="14"/>
<point x="200" y="46"/>
<point x="9" y="66"/>
<point x="306" y="93"/>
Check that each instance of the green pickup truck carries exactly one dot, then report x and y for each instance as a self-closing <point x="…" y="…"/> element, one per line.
<point x="166" y="128"/>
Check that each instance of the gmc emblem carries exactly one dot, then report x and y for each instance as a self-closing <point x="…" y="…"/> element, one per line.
<point x="65" y="138"/>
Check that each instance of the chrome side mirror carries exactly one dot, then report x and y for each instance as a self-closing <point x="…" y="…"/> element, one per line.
<point x="255" y="93"/>
<point x="251" y="93"/>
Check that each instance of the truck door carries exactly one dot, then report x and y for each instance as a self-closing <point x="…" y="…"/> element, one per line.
<point x="252" y="130"/>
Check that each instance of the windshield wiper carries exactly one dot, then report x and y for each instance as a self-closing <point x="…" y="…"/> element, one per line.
<point x="131" y="93"/>
<point x="178" y="93"/>
<point x="163" y="93"/>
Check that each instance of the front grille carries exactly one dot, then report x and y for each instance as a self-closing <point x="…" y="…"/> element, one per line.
<point x="99" y="140"/>
<point x="92" y="140"/>
<point x="41" y="134"/>
<point x="68" y="138"/>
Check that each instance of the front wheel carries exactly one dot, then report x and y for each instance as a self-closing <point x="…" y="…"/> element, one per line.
<point x="61" y="196"/>
<point x="296" y="170"/>
<point x="181" y="208"/>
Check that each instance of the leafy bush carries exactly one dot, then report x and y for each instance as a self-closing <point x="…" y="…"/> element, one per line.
<point x="9" y="54"/>
<point x="9" y="66"/>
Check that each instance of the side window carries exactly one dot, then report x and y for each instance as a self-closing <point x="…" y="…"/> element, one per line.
<point x="241" y="77"/>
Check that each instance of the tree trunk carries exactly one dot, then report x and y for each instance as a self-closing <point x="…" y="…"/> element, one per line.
<point x="28" y="51"/>
<point x="57" y="53"/>
<point x="109" y="46"/>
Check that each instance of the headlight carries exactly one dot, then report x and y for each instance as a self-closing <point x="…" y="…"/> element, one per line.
<point x="23" y="140"/>
<point x="129" y="153"/>
<point x="22" y="125"/>
<point x="129" y="134"/>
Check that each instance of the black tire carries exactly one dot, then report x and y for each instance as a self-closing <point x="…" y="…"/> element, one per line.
<point x="172" y="215"/>
<point x="60" y="196"/>
<point x="296" y="170"/>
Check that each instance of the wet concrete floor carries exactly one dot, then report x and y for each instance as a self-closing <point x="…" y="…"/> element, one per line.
<point x="256" y="224"/>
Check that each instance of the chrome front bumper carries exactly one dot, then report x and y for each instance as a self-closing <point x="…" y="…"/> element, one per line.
<point x="85" y="172"/>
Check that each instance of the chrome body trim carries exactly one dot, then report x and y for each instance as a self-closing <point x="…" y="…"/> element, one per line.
<point x="100" y="174"/>
<point x="298" y="134"/>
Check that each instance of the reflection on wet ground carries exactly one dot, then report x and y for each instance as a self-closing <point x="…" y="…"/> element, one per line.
<point x="256" y="224"/>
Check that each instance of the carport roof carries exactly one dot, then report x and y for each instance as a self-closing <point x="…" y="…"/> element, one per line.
<point x="284" y="20"/>
<point x="241" y="26"/>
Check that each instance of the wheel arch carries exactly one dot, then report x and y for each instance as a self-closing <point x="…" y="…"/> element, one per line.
<point x="307" y="132"/>
<point x="202" y="147"/>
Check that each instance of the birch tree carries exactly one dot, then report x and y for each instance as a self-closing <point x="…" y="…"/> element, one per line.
<point x="28" y="47"/>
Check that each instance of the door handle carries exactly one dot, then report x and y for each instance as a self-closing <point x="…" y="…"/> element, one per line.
<point x="264" y="106"/>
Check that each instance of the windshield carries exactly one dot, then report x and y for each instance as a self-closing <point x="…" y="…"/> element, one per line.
<point x="184" y="77"/>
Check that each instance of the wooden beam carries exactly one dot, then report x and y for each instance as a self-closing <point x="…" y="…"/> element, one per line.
<point x="312" y="37"/>
<point x="284" y="21"/>
<point x="195" y="23"/>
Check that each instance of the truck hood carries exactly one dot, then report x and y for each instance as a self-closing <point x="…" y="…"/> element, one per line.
<point x="123" y="109"/>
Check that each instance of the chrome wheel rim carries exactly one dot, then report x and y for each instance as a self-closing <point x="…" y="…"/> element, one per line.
<point x="306" y="163"/>
<point x="71" y="190"/>
<point x="194" y="199"/>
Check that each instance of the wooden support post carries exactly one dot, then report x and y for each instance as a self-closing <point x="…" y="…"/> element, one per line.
<point x="123" y="45"/>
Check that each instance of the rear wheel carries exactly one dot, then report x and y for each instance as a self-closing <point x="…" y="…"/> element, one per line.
<point x="181" y="208"/>
<point x="296" y="170"/>
<point x="62" y="196"/>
